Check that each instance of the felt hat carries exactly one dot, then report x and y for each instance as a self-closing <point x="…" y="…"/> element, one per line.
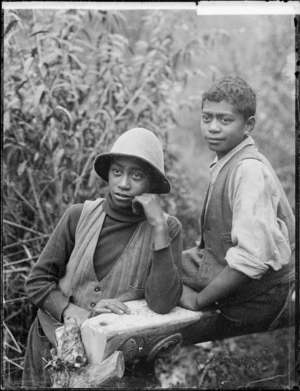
<point x="137" y="143"/>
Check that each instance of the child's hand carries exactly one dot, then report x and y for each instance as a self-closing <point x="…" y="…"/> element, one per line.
<point x="155" y="217"/>
<point x="77" y="313"/>
<point x="188" y="299"/>
<point x="137" y="208"/>
<point x="152" y="208"/>
<point x="110" y="305"/>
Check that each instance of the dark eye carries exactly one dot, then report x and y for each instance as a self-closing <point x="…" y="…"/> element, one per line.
<point x="205" y="118"/>
<point x="226" y="120"/>
<point x="116" y="171"/>
<point x="137" y="176"/>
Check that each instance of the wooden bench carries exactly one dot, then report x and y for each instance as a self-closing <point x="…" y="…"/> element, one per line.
<point x="111" y="341"/>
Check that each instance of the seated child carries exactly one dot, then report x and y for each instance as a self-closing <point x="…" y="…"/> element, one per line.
<point x="108" y="251"/>
<point x="244" y="266"/>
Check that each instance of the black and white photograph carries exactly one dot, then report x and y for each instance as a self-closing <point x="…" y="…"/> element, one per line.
<point x="150" y="221"/>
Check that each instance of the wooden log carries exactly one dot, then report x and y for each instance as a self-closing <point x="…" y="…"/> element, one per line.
<point x="69" y="368"/>
<point x="139" y="334"/>
<point x="142" y="334"/>
<point x="94" y="342"/>
<point x="145" y="334"/>
<point x="68" y="355"/>
<point x="95" y="375"/>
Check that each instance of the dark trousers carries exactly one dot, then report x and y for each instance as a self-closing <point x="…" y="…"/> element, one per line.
<point x="35" y="375"/>
<point x="265" y="312"/>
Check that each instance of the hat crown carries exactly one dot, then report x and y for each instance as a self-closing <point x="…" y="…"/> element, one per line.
<point x="138" y="143"/>
<point x="141" y="143"/>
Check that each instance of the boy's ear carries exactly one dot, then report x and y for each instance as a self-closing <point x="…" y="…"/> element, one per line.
<point x="250" y="124"/>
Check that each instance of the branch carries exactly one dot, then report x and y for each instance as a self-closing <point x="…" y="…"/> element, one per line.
<point x="20" y="226"/>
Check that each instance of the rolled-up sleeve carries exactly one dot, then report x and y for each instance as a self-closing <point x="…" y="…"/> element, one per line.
<point x="259" y="237"/>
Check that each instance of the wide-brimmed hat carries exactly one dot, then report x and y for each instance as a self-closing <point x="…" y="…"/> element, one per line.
<point x="137" y="143"/>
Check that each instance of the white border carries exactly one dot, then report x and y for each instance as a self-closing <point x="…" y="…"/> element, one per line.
<point x="202" y="8"/>
<point x="248" y="8"/>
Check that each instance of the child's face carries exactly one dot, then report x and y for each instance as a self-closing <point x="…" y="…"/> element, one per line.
<point x="222" y="126"/>
<point x="126" y="179"/>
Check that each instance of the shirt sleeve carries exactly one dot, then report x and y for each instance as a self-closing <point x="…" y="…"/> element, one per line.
<point x="41" y="285"/>
<point x="259" y="237"/>
<point x="164" y="285"/>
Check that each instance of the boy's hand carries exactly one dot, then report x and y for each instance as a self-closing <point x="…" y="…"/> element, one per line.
<point x="77" y="313"/>
<point x="155" y="216"/>
<point x="152" y="208"/>
<point x="188" y="299"/>
<point x="110" y="305"/>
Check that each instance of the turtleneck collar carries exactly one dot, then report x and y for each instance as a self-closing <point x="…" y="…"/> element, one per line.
<point x="121" y="214"/>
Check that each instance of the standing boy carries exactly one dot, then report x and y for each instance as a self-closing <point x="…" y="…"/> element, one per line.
<point x="244" y="265"/>
<point x="108" y="251"/>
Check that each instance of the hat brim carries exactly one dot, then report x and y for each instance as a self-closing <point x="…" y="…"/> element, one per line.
<point x="161" y="184"/>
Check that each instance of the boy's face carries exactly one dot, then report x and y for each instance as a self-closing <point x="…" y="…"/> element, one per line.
<point x="126" y="179"/>
<point x="222" y="126"/>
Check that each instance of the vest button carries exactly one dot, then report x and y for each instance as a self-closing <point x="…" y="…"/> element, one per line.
<point x="93" y="304"/>
<point x="97" y="289"/>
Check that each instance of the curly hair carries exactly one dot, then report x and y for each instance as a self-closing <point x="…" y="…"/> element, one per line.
<point x="234" y="90"/>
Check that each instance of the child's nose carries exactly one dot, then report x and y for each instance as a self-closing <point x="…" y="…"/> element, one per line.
<point x="124" y="182"/>
<point x="214" y="126"/>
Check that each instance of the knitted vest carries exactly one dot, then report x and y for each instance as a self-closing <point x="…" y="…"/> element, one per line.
<point x="128" y="276"/>
<point x="217" y="224"/>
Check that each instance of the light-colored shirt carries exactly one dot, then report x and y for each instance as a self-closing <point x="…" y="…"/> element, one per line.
<point x="259" y="237"/>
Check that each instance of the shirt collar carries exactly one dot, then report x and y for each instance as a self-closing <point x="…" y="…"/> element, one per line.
<point x="217" y="165"/>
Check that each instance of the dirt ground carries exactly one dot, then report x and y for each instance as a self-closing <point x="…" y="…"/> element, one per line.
<point x="260" y="361"/>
